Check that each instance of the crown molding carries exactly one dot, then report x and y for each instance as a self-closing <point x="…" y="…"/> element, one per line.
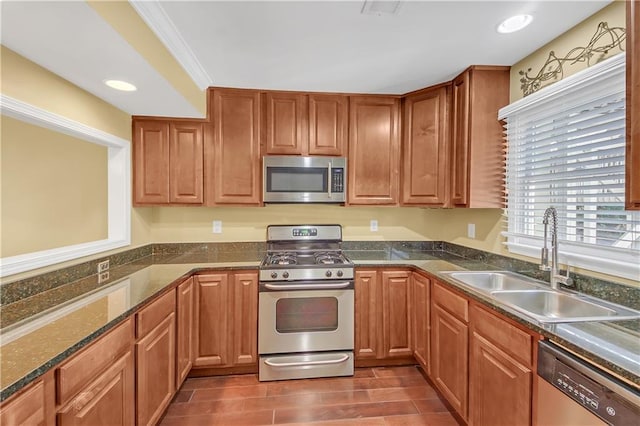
<point x="156" y="18"/>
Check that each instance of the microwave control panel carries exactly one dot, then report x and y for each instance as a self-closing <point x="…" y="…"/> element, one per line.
<point x="337" y="180"/>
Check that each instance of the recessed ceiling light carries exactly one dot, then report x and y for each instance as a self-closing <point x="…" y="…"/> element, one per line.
<point x="121" y="85"/>
<point x="380" y="7"/>
<point x="515" y="23"/>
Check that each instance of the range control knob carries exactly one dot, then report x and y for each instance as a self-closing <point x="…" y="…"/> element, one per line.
<point x="328" y="273"/>
<point x="274" y="275"/>
<point x="340" y="273"/>
<point x="285" y="274"/>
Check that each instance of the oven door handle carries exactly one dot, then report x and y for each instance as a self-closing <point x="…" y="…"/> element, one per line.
<point x="342" y="359"/>
<point x="307" y="286"/>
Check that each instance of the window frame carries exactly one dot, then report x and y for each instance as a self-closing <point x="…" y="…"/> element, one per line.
<point x="614" y="261"/>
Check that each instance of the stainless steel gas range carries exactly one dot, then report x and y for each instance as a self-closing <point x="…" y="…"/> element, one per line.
<point x="306" y="304"/>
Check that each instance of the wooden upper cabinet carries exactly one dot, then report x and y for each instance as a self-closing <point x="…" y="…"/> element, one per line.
<point x="425" y="147"/>
<point x="328" y="123"/>
<point x="632" y="161"/>
<point x="185" y="163"/>
<point x="232" y="148"/>
<point x="168" y="162"/>
<point x="306" y="124"/>
<point x="286" y="116"/>
<point x="478" y="155"/>
<point x="150" y="162"/>
<point x="374" y="147"/>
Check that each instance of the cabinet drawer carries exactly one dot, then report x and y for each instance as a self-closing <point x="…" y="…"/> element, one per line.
<point x="152" y="315"/>
<point x="507" y="337"/>
<point x="451" y="302"/>
<point x="85" y="366"/>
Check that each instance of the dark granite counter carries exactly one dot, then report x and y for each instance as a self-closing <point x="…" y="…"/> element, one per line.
<point x="42" y="330"/>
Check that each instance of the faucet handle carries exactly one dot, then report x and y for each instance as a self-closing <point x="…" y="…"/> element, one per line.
<point x="566" y="278"/>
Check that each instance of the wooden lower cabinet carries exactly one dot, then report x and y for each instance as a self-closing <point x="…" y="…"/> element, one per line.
<point x="184" y="329"/>
<point x="396" y="307"/>
<point x="421" y="320"/>
<point x="97" y="385"/>
<point x="499" y="387"/>
<point x="382" y="312"/>
<point x="226" y="319"/>
<point x="500" y="371"/>
<point x="155" y="371"/>
<point x="33" y="406"/>
<point x="449" y="345"/>
<point x="107" y="400"/>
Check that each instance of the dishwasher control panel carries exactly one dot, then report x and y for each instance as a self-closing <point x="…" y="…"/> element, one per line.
<point x="598" y="392"/>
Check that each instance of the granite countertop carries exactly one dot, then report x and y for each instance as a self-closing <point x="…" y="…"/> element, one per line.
<point x="63" y="321"/>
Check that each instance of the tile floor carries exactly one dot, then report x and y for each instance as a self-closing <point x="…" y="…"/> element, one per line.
<point x="389" y="396"/>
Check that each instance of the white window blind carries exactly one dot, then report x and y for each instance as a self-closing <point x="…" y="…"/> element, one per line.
<point x="566" y="149"/>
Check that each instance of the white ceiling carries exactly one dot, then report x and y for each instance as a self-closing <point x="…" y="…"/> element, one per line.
<point x="291" y="45"/>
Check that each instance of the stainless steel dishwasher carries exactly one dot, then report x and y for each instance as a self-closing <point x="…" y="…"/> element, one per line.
<point x="574" y="392"/>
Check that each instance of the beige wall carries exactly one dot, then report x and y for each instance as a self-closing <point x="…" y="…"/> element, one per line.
<point x="249" y="223"/>
<point x="26" y="81"/>
<point x="578" y="36"/>
<point x="54" y="189"/>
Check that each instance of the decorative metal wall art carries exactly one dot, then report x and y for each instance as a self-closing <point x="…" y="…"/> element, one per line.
<point x="604" y="40"/>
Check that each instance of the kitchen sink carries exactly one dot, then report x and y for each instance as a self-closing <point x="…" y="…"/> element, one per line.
<point x="534" y="298"/>
<point x="489" y="281"/>
<point x="554" y="306"/>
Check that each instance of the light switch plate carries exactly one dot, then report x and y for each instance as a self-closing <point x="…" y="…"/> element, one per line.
<point x="471" y="230"/>
<point x="217" y="227"/>
<point x="373" y="225"/>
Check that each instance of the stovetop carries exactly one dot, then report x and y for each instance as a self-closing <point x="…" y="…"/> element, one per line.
<point x="305" y="252"/>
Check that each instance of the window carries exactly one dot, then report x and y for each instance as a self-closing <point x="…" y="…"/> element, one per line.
<point x="566" y="148"/>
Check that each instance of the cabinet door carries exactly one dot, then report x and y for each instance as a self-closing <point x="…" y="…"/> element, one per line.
<point x="107" y="400"/>
<point x="328" y="118"/>
<point x="212" y="321"/>
<point x="34" y="406"/>
<point x="232" y="148"/>
<point x="396" y="309"/>
<point x="286" y="123"/>
<point x="374" y="147"/>
<point x="150" y="162"/>
<point x="449" y="357"/>
<point x="425" y="148"/>
<point x="155" y="371"/>
<point x="244" y="329"/>
<point x="632" y="161"/>
<point x="186" y="163"/>
<point x="499" y="386"/>
<point x="460" y="141"/>
<point x="185" y="330"/>
<point x="421" y="320"/>
<point x="368" y="315"/>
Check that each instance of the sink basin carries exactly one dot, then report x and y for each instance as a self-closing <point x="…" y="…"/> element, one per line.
<point x="490" y="281"/>
<point x="534" y="298"/>
<point x="553" y="306"/>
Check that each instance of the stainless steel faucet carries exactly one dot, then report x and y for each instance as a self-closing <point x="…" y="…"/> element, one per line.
<point x="555" y="276"/>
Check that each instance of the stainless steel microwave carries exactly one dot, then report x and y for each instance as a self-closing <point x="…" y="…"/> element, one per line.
<point x="292" y="179"/>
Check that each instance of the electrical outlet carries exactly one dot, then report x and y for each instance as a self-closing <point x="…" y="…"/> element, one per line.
<point x="102" y="277"/>
<point x="103" y="266"/>
<point x="471" y="230"/>
<point x="217" y="227"/>
<point x="373" y="225"/>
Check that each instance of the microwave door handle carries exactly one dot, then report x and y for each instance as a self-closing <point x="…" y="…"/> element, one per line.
<point x="329" y="180"/>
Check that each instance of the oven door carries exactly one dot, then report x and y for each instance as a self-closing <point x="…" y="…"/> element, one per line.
<point x="302" y="321"/>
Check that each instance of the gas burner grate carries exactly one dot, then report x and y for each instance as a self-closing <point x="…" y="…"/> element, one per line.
<point x="282" y="259"/>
